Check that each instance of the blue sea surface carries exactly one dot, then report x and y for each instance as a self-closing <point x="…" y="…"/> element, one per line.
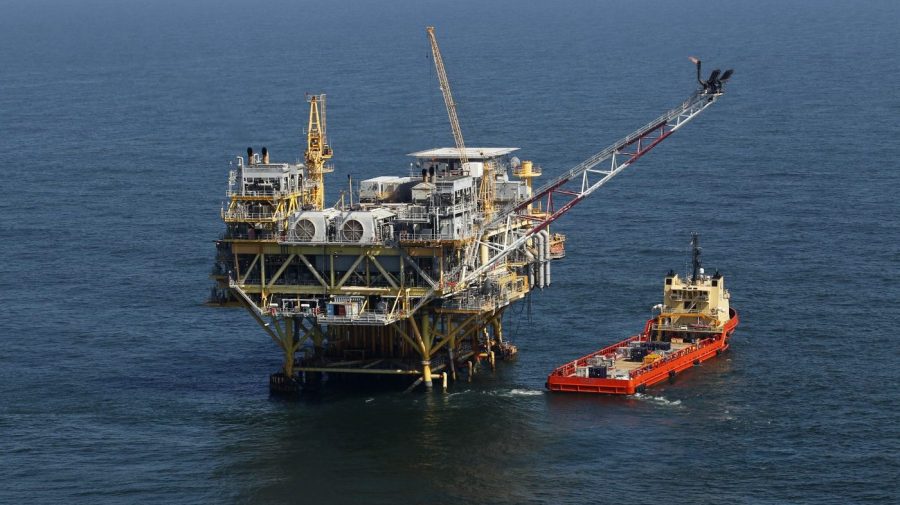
<point x="117" y="122"/>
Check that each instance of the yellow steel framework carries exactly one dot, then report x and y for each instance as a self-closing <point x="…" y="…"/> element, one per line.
<point x="433" y="339"/>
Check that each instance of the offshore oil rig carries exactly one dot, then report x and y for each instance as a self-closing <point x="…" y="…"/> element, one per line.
<point x="407" y="276"/>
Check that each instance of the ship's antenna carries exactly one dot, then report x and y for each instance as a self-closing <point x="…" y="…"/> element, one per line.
<point x="695" y="246"/>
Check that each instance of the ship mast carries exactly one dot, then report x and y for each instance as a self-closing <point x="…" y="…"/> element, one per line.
<point x="695" y="257"/>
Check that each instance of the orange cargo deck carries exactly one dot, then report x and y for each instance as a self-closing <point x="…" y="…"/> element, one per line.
<point x="633" y="377"/>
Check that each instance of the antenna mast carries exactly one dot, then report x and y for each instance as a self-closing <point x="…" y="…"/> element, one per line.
<point x="695" y="257"/>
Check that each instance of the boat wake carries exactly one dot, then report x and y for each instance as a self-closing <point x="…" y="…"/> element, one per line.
<point x="659" y="400"/>
<point x="510" y="393"/>
<point x="526" y="392"/>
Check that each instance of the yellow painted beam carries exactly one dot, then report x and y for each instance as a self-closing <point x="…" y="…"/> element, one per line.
<point x="418" y="334"/>
<point x="259" y="320"/>
<point x="350" y="270"/>
<point x="249" y="269"/>
<point x="405" y="336"/>
<point x="281" y="270"/>
<point x="453" y="334"/>
<point x="313" y="270"/>
<point x="387" y="276"/>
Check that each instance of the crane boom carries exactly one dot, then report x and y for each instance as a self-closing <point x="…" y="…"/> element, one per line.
<point x="621" y="155"/>
<point x="448" y="96"/>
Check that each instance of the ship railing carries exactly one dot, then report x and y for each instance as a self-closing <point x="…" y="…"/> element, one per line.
<point x="680" y="312"/>
<point x="680" y="297"/>
<point x="637" y="372"/>
<point x="569" y="368"/>
<point x="686" y="327"/>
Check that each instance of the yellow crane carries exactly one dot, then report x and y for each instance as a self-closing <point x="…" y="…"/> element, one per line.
<point x="317" y="153"/>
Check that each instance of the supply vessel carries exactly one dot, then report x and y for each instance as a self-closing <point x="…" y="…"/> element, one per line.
<point x="693" y="324"/>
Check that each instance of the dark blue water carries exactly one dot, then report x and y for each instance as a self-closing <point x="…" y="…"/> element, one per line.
<point x="116" y="123"/>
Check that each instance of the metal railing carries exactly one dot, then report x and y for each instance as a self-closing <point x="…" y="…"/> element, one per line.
<point x="242" y="214"/>
<point x="408" y="214"/>
<point x="364" y="318"/>
<point x="670" y="357"/>
<point x="267" y="193"/>
<point x="292" y="238"/>
<point x="569" y="368"/>
<point x="248" y="236"/>
<point x="424" y="237"/>
<point x="680" y="297"/>
<point x="535" y="171"/>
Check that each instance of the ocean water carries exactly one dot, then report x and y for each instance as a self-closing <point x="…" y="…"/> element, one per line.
<point x="117" y="120"/>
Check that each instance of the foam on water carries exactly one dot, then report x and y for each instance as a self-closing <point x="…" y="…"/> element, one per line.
<point x="526" y="392"/>
<point x="659" y="400"/>
<point x="513" y="393"/>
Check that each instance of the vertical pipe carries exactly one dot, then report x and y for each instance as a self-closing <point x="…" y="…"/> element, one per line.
<point x="546" y="263"/>
<point x="426" y="373"/>
<point x="498" y="328"/>
<point x="538" y="241"/>
<point x="425" y="342"/>
<point x="530" y="265"/>
<point x="452" y="359"/>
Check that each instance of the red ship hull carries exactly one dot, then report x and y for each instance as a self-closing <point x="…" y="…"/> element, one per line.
<point x="563" y="379"/>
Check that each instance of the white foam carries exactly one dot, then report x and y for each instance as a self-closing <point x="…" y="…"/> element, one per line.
<point x="657" y="399"/>
<point x="511" y="393"/>
<point x="526" y="392"/>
